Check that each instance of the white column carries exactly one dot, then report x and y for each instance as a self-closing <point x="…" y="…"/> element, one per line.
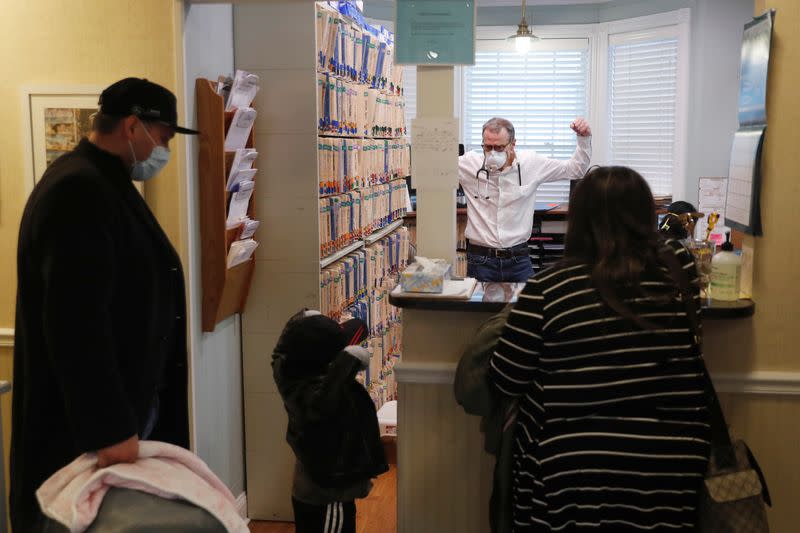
<point x="276" y="40"/>
<point x="436" y="207"/>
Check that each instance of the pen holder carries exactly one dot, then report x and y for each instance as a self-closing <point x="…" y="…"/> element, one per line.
<point x="702" y="251"/>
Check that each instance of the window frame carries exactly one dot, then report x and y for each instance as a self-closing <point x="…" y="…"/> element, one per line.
<point x="675" y="23"/>
<point x="496" y="33"/>
<point x="671" y="24"/>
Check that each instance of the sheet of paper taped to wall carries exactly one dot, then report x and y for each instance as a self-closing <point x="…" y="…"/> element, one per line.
<point x="434" y="152"/>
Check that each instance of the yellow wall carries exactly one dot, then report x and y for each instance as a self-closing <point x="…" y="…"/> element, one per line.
<point x="770" y="341"/>
<point x="78" y="42"/>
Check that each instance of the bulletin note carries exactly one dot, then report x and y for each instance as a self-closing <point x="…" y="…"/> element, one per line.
<point x="712" y="195"/>
<point x="434" y="153"/>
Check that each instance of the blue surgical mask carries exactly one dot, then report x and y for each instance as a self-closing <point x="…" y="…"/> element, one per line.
<point x="158" y="159"/>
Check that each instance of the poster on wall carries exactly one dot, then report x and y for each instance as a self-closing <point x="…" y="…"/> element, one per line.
<point x="55" y="121"/>
<point x="753" y="70"/>
<point x="64" y="127"/>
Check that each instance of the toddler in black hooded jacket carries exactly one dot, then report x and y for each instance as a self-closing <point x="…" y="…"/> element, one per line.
<point x="333" y="426"/>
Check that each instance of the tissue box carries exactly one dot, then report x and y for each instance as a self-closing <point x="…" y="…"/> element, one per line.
<point x="425" y="275"/>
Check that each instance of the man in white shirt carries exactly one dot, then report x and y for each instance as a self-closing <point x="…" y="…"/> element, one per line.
<point x="500" y="187"/>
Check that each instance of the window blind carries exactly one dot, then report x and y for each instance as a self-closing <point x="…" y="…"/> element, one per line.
<point x="540" y="92"/>
<point x="642" y="109"/>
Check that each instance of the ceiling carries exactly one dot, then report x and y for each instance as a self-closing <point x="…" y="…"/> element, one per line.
<point x="498" y="3"/>
<point x="491" y="3"/>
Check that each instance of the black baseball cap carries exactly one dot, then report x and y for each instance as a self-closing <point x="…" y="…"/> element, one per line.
<point x="145" y="99"/>
<point x="681" y="207"/>
<point x="354" y="331"/>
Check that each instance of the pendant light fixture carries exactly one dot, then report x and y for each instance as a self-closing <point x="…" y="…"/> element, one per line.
<point x="524" y="36"/>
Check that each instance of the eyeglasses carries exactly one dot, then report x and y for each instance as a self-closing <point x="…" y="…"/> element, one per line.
<point x="495" y="147"/>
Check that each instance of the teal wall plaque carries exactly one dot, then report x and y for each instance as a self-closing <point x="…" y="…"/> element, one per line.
<point x="435" y="32"/>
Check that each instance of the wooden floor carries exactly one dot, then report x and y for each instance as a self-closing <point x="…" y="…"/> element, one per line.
<point x="377" y="513"/>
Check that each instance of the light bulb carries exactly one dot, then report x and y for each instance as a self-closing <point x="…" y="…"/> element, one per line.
<point x="522" y="44"/>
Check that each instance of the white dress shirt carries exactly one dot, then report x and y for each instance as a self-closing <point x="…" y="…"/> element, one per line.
<point x="505" y="218"/>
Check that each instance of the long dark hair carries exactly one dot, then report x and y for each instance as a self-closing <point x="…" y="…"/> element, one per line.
<point x="612" y="228"/>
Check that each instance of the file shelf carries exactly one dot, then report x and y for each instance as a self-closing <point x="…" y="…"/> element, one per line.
<point x="347" y="177"/>
<point x="369" y="239"/>
<point x="224" y="289"/>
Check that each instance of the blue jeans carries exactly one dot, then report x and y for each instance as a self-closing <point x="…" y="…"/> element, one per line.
<point x="513" y="269"/>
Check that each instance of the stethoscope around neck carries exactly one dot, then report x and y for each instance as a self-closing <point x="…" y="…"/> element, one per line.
<point x="485" y="172"/>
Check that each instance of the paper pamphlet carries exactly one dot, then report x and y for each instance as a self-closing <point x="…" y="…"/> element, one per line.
<point x="241" y="251"/>
<point x="243" y="160"/>
<point x="239" y="202"/>
<point x="243" y="91"/>
<point x="240" y="128"/>
<point x="249" y="227"/>
<point x="242" y="176"/>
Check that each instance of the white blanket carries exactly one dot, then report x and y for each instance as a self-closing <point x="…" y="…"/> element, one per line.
<point x="72" y="496"/>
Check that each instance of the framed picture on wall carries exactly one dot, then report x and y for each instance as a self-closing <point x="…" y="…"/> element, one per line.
<point x="55" y="120"/>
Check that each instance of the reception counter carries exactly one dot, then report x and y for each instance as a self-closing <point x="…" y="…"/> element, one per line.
<point x="493" y="297"/>
<point x="444" y="475"/>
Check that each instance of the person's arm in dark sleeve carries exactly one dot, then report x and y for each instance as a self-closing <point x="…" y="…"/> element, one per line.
<point x="78" y="271"/>
<point x="514" y="363"/>
<point x="688" y="264"/>
<point x="342" y="370"/>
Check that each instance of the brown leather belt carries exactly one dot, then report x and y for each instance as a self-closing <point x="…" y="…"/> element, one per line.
<point x="499" y="253"/>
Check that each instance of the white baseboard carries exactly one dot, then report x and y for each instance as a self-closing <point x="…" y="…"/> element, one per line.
<point x="426" y="373"/>
<point x="756" y="383"/>
<point x="6" y="337"/>
<point x="241" y="506"/>
<point x="759" y="382"/>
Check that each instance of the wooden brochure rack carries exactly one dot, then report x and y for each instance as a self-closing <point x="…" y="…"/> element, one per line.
<point x="224" y="290"/>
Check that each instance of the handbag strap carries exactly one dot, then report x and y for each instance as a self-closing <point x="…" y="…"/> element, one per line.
<point x="724" y="455"/>
<point x="721" y="444"/>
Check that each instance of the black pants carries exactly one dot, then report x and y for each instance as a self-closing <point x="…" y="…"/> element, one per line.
<point x="335" y="517"/>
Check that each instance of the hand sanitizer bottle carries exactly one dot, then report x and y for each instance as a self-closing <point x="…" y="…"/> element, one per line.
<point x="726" y="269"/>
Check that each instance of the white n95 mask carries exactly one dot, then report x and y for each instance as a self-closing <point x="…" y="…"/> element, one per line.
<point x="496" y="160"/>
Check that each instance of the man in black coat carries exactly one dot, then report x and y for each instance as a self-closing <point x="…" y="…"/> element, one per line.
<point x="100" y="349"/>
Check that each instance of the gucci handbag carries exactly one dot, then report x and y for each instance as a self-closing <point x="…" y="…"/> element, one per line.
<point x="734" y="494"/>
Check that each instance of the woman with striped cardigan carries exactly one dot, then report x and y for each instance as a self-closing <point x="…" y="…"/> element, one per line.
<point x="612" y="432"/>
